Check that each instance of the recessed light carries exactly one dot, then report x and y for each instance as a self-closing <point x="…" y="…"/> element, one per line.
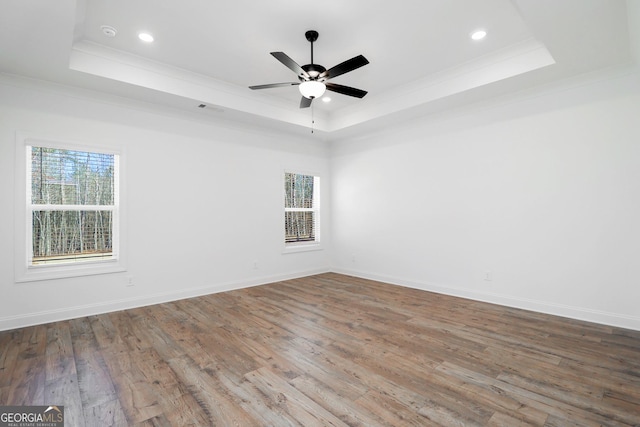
<point x="478" y="34"/>
<point x="326" y="99"/>
<point x="145" y="37"/>
<point x="108" y="31"/>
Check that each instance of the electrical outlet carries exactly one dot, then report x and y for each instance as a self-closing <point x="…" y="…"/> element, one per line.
<point x="488" y="276"/>
<point x="130" y="281"/>
<point x="255" y="265"/>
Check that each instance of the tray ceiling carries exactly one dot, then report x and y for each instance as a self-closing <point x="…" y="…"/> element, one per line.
<point x="205" y="52"/>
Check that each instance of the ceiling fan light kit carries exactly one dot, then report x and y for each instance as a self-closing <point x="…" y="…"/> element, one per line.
<point x="313" y="77"/>
<point x="312" y="89"/>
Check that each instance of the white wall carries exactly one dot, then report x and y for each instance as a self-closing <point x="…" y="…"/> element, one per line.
<point x="204" y="202"/>
<point x="543" y="192"/>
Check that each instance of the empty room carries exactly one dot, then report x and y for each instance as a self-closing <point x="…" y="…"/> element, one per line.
<point x="347" y="213"/>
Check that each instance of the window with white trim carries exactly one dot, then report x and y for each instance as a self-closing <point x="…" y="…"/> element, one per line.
<point x="301" y="209"/>
<point x="71" y="214"/>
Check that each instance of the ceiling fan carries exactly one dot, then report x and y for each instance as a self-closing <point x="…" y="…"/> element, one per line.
<point x="313" y="77"/>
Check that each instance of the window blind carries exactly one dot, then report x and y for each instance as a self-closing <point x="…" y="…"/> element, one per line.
<point x="73" y="199"/>
<point x="300" y="208"/>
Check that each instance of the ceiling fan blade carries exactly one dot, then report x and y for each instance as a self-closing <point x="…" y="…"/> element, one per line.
<point x="346" y="90"/>
<point x="290" y="63"/>
<point x="345" y="67"/>
<point x="272" y="85"/>
<point x="305" y="102"/>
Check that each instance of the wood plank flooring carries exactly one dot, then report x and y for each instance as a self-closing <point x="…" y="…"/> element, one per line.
<point x="327" y="350"/>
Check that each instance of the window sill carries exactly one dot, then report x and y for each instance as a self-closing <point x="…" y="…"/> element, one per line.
<point x="292" y="248"/>
<point x="51" y="272"/>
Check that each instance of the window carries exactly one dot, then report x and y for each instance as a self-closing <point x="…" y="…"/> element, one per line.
<point x="71" y="212"/>
<point x="301" y="209"/>
<point x="72" y="204"/>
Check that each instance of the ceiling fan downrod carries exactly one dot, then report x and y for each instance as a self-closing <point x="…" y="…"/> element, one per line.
<point x="311" y="36"/>
<point x="314" y="71"/>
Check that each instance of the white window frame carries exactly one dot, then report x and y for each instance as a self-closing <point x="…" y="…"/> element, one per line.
<point x="293" y="247"/>
<point x="24" y="270"/>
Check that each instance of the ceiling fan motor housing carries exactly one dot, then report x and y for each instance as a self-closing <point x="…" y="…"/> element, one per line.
<point x="313" y="70"/>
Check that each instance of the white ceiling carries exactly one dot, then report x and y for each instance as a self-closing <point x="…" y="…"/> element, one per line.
<point x="209" y="52"/>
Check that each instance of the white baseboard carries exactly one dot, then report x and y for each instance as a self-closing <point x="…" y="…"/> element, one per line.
<point x="572" y="312"/>
<point x="601" y="317"/>
<point x="39" y="318"/>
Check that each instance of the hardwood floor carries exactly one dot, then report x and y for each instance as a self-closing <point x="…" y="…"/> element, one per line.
<point x="326" y="350"/>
